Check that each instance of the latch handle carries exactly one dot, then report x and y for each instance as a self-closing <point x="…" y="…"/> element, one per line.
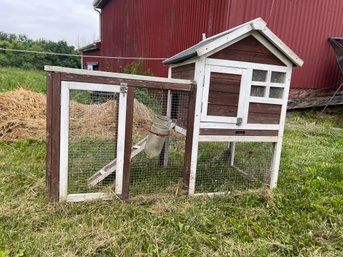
<point x="123" y="88"/>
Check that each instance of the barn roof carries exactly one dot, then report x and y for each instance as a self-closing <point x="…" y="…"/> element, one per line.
<point x="230" y="35"/>
<point x="100" y="3"/>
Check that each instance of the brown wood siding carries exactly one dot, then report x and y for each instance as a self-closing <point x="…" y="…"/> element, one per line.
<point x="128" y="143"/>
<point x="180" y="106"/>
<point x="184" y="72"/>
<point x="248" y="50"/>
<point x="53" y="136"/>
<point x="223" y="94"/>
<point x="189" y="138"/>
<point x="237" y="132"/>
<point x="264" y="113"/>
<point x="130" y="82"/>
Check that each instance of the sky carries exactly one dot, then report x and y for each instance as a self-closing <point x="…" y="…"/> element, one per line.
<point x="74" y="21"/>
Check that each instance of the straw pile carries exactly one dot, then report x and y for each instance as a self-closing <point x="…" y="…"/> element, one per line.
<point x="23" y="116"/>
<point x="100" y="120"/>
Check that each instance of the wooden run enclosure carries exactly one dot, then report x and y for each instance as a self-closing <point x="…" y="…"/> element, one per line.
<point x="227" y="96"/>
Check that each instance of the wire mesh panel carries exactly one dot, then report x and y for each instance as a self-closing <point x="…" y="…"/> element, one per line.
<point x="161" y="174"/>
<point x="224" y="167"/>
<point x="92" y="138"/>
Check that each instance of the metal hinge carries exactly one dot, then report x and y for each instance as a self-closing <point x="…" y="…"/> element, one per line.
<point x="123" y="88"/>
<point x="239" y="121"/>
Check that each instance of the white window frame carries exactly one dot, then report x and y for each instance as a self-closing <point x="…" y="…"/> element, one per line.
<point x="66" y="86"/>
<point x="242" y="94"/>
<point x="268" y="84"/>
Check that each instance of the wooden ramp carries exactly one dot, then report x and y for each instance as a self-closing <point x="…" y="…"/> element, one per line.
<point x="111" y="167"/>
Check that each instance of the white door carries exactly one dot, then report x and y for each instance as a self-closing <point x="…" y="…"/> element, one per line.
<point x="223" y="97"/>
<point x="70" y="171"/>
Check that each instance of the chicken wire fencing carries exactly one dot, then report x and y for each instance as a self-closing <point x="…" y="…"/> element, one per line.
<point x="224" y="167"/>
<point x="92" y="139"/>
<point x="89" y="140"/>
<point x="94" y="158"/>
<point x="161" y="174"/>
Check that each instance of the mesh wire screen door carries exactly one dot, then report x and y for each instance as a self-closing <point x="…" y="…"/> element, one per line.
<point x="91" y="141"/>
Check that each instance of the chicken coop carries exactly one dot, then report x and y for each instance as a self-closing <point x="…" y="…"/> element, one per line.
<point x="243" y="79"/>
<point x="214" y="125"/>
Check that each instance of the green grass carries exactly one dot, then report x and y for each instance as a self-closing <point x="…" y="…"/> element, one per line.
<point x="14" y="78"/>
<point x="302" y="217"/>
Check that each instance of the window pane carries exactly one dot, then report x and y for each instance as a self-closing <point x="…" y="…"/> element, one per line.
<point x="278" y="77"/>
<point x="276" y="92"/>
<point x="259" y="75"/>
<point x="257" y="91"/>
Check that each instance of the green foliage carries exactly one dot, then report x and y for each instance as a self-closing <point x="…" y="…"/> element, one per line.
<point x="35" y="60"/>
<point x="143" y="95"/>
<point x="137" y="68"/>
<point x="14" y="78"/>
<point x="302" y="217"/>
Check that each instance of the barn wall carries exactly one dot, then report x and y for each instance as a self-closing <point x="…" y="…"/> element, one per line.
<point x="155" y="28"/>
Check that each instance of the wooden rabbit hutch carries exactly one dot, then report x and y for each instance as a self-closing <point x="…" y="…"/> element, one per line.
<point x="243" y="78"/>
<point x="227" y="96"/>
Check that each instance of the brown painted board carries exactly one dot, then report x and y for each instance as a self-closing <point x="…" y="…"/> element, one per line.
<point x="130" y="82"/>
<point x="128" y="143"/>
<point x="248" y="50"/>
<point x="53" y="136"/>
<point x="264" y="113"/>
<point x="184" y="71"/>
<point x="225" y="87"/>
<point x="264" y="108"/>
<point x="221" y="98"/>
<point x="189" y="139"/>
<point x="237" y="132"/>
<point x="164" y="112"/>
<point x="260" y="118"/>
<point x="222" y="110"/>
<point x="180" y="107"/>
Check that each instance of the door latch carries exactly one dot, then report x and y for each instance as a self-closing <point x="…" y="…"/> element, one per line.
<point x="239" y="121"/>
<point x="123" y="88"/>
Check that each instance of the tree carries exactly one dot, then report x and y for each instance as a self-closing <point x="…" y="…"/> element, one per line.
<point x="35" y="60"/>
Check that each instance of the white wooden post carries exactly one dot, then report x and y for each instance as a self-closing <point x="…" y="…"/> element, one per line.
<point x="64" y="140"/>
<point x="166" y="144"/>
<point x="199" y="78"/>
<point x="121" y="139"/>
<point x="275" y="163"/>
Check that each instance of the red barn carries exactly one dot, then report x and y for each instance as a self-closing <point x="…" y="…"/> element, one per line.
<point x="159" y="29"/>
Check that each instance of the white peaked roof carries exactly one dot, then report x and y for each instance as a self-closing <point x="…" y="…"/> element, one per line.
<point x="216" y="41"/>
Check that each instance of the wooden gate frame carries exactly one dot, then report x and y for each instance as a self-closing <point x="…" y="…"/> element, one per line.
<point x="55" y="76"/>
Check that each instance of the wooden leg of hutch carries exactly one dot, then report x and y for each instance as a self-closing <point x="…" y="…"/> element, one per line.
<point x="275" y="163"/>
